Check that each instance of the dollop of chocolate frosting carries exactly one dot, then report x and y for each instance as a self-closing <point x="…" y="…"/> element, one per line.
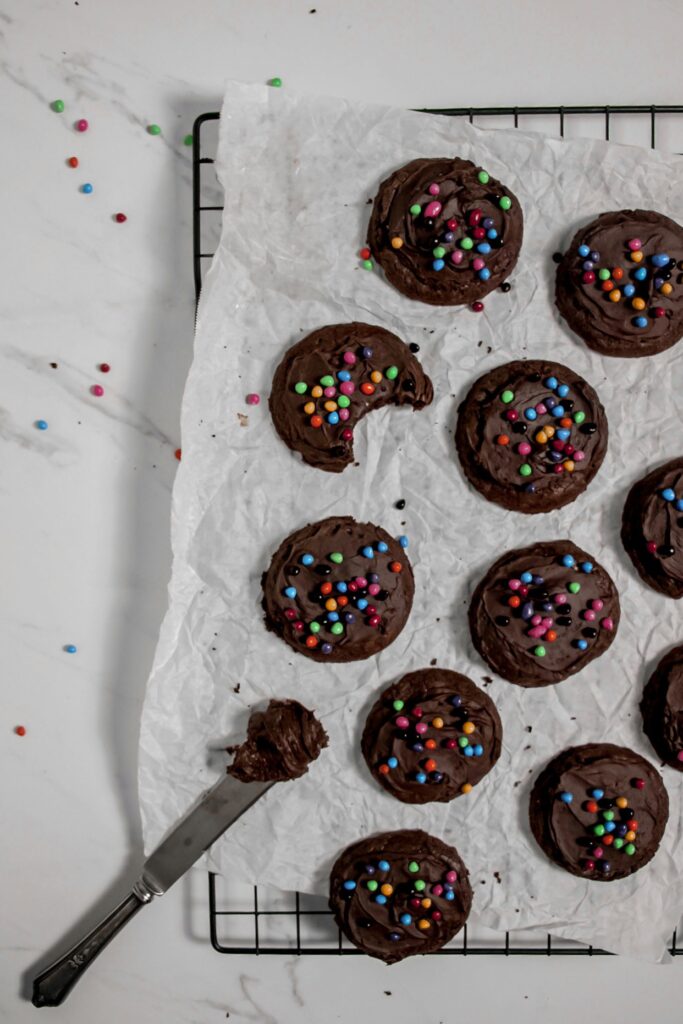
<point x="543" y="612"/>
<point x="338" y="590"/>
<point x="652" y="528"/>
<point x="662" y="709"/>
<point x="599" y="811"/>
<point x="400" y="893"/>
<point x="443" y="232"/>
<point x="531" y="435"/>
<point x="633" y="275"/>
<point x="433" y="735"/>
<point x="368" y="367"/>
<point x="281" y="743"/>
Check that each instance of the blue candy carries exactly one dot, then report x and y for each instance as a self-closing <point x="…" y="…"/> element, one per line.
<point x="382" y="547"/>
<point x="478" y="750"/>
<point x="597" y="794"/>
<point x="586" y="567"/>
<point x="406" y="919"/>
<point x="449" y="894"/>
<point x="492" y="233"/>
<point x="87" y="188"/>
<point x="563" y="434"/>
<point x="640" y="321"/>
<point x="333" y="418"/>
<point x="557" y="411"/>
<point x="660" y="259"/>
<point x="448" y="237"/>
<point x="584" y="250"/>
<point x="566" y="798"/>
<point x="71" y="648"/>
<point x="484" y="248"/>
<point x="582" y="644"/>
<point x="403" y="541"/>
<point x="530" y="414"/>
<point x="341" y="587"/>
<point x="380" y="898"/>
<point x="421" y="778"/>
<point x="610" y="826"/>
<point x="368" y="552"/>
<point x="484" y="274"/>
<point x="640" y="274"/>
<point x="392" y="762"/>
<point x="343" y="375"/>
<point x="307" y="559"/>
<point x="289" y="592"/>
<point x="361" y="604"/>
<point x="550" y="383"/>
<point x="383" y="865"/>
<point x="629" y="290"/>
<point x="417" y="747"/>
<point x="468" y="750"/>
<point x="568" y="560"/>
<point x="438" y="265"/>
<point x="563" y="390"/>
<point x="333" y="616"/>
<point x="530" y="488"/>
<point x="350" y="885"/>
<point x="41" y="424"/>
<point x="526" y="577"/>
<point x="678" y="505"/>
<point x="394" y="936"/>
<point x="668" y="494"/>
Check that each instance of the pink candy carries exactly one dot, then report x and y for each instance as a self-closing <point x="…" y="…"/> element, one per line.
<point x="421" y="728"/>
<point x="344" y="414"/>
<point x="361" y="582"/>
<point x="589" y="615"/>
<point x="457" y="257"/>
<point x="374" y="589"/>
<point x="330" y="392"/>
<point x="541" y="409"/>
<point x="598" y="852"/>
<point x="402" y="722"/>
<point x="607" y="624"/>
<point x="536" y="620"/>
<point x="679" y="757"/>
<point x="349" y="358"/>
<point x="478" y="263"/>
<point x="523" y="447"/>
<point x="579" y="456"/>
<point x="82" y="125"/>
<point x="432" y="209"/>
<point x="558" y="598"/>
<point x="433" y="189"/>
<point x="473" y="218"/>
<point x="635" y="244"/>
<point x="97" y="390"/>
<point x="596" y="604"/>
<point x="514" y="584"/>
<point x="451" y="877"/>
<point x="537" y="632"/>
<point x="417" y="712"/>
<point x="253" y="399"/>
<point x="438" y="888"/>
<point x="347" y="387"/>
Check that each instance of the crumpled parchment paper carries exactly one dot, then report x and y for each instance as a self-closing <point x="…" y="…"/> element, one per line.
<point x="298" y="174"/>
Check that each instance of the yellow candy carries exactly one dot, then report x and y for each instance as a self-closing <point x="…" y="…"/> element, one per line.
<point x="541" y="437"/>
<point x="621" y="801"/>
<point x="423" y="924"/>
<point x="426" y="903"/>
<point x="375" y="376"/>
<point x="330" y="406"/>
<point x="550" y="430"/>
<point x="386" y="889"/>
<point x="666" y="288"/>
<point x="638" y="303"/>
<point x="309" y="408"/>
<point x="331" y="604"/>
<point x="568" y="466"/>
<point x="466" y="787"/>
<point x="468" y="728"/>
<point x="630" y="836"/>
<point x="637" y="256"/>
<point x="615" y="295"/>
<point x="317" y="391"/>
<point x="437" y="722"/>
<point x="397" y="243"/>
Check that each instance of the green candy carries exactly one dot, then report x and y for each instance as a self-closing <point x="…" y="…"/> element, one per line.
<point x="630" y="849"/>
<point x="343" y="401"/>
<point x="337" y="557"/>
<point x="465" y="243"/>
<point x="483" y="178"/>
<point x="439" y="252"/>
<point x="187" y="141"/>
<point x="373" y="885"/>
<point x="573" y="588"/>
<point x="416" y="209"/>
<point x="603" y="274"/>
<point x="58" y="106"/>
<point x="398" y="705"/>
<point x="525" y="469"/>
<point x="618" y="843"/>
<point x="367" y="264"/>
<point x="154" y="129"/>
<point x="579" y="417"/>
<point x="539" y="651"/>
<point x="275" y="82"/>
<point x="505" y="202"/>
<point x="608" y="815"/>
<point x="598" y="830"/>
<point x="391" y="372"/>
<point x="507" y="397"/>
<point x="301" y="388"/>
<point x="337" y="628"/>
<point x="463" y="741"/>
<point x="314" y="627"/>
<point x="327" y="381"/>
<point x="420" y="885"/>
<point x="413" y="867"/>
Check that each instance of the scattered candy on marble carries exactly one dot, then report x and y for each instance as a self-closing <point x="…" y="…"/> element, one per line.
<point x="81" y="125"/>
<point x="97" y="390"/>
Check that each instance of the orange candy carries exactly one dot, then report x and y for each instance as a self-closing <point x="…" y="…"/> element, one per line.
<point x="309" y="408"/>
<point x="550" y="636"/>
<point x="637" y="256"/>
<point x="430" y="765"/>
<point x="430" y="744"/>
<point x="502" y="439"/>
<point x="386" y="889"/>
<point x="617" y="273"/>
<point x="423" y="924"/>
<point x="316" y="392"/>
<point x="316" y="421"/>
<point x="514" y="601"/>
<point x="566" y="422"/>
<point x="468" y="728"/>
<point x="395" y="567"/>
<point x="375" y="376"/>
<point x="331" y="604"/>
<point x="311" y="641"/>
<point x="384" y="769"/>
<point x="592" y="807"/>
<point x="615" y="295"/>
<point x="607" y="840"/>
<point x="607" y="286"/>
<point x="325" y="588"/>
<point x="342" y="601"/>
<point x="367" y="388"/>
<point x="466" y="787"/>
<point x="330" y="406"/>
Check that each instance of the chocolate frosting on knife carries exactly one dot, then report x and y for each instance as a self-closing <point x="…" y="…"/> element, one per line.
<point x="281" y="743"/>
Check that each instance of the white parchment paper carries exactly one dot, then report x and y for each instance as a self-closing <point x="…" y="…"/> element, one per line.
<point x="298" y="173"/>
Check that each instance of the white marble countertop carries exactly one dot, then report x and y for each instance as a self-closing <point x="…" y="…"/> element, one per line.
<point x="85" y="504"/>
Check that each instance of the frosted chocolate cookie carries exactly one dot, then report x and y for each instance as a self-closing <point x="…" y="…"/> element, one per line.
<point x="619" y="285"/>
<point x="662" y="709"/>
<point x="531" y="435"/>
<point x="331" y="379"/>
<point x="652" y="528"/>
<point x="445" y="231"/>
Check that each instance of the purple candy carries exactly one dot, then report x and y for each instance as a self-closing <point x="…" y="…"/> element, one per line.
<point x="588" y="265"/>
<point x="595" y="256"/>
<point x="326" y="648"/>
<point x="527" y="610"/>
<point x="487" y="223"/>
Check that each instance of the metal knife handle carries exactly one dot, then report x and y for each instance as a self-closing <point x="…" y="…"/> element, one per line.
<point x="52" y="986"/>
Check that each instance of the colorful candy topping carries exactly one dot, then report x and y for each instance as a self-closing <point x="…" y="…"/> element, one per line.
<point x="639" y="283"/>
<point x="610" y="830"/>
<point x="674" y="513"/>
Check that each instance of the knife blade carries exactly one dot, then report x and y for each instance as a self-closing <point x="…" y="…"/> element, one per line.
<point x="218" y="809"/>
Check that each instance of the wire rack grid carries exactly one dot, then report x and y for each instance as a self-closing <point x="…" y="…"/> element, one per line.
<point x="260" y="921"/>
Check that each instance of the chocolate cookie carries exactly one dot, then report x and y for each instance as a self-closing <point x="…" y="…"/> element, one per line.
<point x="599" y="811"/>
<point x="400" y="893"/>
<point x="329" y="380"/>
<point x="652" y="528"/>
<point x="339" y="590"/>
<point x="281" y="743"/>
<point x="662" y="709"/>
<point x="444" y="231"/>
<point x="531" y="435"/>
<point x="618" y="285"/>
<point x="433" y="735"/>
<point x="543" y="612"/>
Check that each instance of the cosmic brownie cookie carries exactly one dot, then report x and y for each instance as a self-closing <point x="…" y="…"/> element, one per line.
<point x="543" y="612"/>
<point x="431" y="736"/>
<point x="445" y="232"/>
<point x="652" y="528"/>
<point x="338" y="590"/>
<point x="281" y="743"/>
<point x="400" y="893"/>
<point x="599" y="811"/>
<point x="619" y="286"/>
<point x="329" y="380"/>
<point x="531" y="435"/>
<point x="662" y="709"/>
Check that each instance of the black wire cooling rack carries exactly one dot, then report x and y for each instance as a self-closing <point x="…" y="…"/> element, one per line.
<point x="266" y="922"/>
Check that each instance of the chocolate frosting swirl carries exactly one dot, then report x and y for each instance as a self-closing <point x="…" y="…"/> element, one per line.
<point x="652" y="528"/>
<point x="378" y="616"/>
<point x="329" y="446"/>
<point x="580" y="624"/>
<point x="606" y="326"/>
<point x="281" y="743"/>
<point x="488" y="439"/>
<point x="461" y="193"/>
<point x="423" y="698"/>
<point x="428" y="881"/>
<point x="662" y="709"/>
<point x="566" y="832"/>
